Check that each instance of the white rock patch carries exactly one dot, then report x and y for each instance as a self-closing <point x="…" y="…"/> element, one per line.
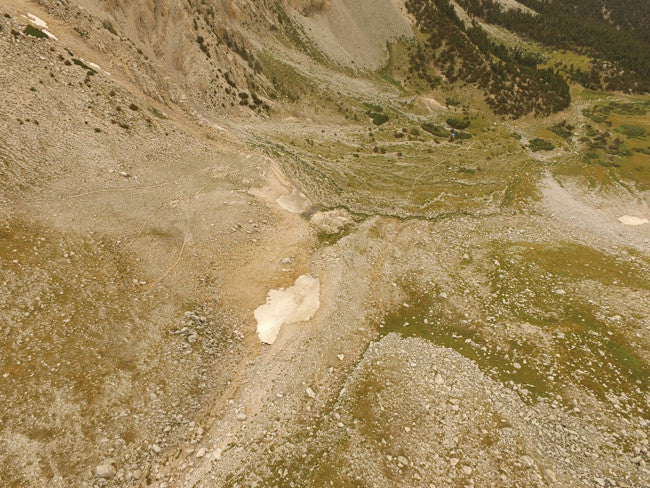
<point x="295" y="202"/>
<point x="36" y="21"/>
<point x="41" y="24"/>
<point x="287" y="306"/>
<point x="631" y="220"/>
<point x="332" y="221"/>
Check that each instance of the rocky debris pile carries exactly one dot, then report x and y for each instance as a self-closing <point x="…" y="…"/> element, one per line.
<point x="415" y="414"/>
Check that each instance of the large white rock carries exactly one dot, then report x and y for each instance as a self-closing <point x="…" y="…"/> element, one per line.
<point x="631" y="220"/>
<point x="296" y="303"/>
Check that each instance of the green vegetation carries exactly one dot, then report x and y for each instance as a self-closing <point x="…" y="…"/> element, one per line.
<point x="511" y="79"/>
<point x="458" y="123"/>
<point x="633" y="131"/>
<point x="34" y="32"/>
<point x="378" y="118"/>
<point x="538" y="144"/>
<point x="377" y="173"/>
<point x="563" y="129"/>
<point x="534" y="282"/>
<point x="436" y="130"/>
<point x="624" y="42"/>
<point x="83" y="65"/>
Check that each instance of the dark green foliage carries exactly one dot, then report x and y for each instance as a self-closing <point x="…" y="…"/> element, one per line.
<point x="378" y="118"/>
<point x="83" y="65"/>
<point x="34" y="32"/>
<point x="538" y="144"/>
<point x="563" y="129"/>
<point x="457" y="123"/>
<point x="372" y="107"/>
<point x="612" y="30"/>
<point x="513" y="83"/>
<point x="632" y="131"/>
<point x="451" y="102"/>
<point x="436" y="130"/>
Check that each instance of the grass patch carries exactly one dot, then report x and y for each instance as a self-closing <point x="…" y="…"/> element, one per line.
<point x="458" y="123"/>
<point x="632" y="131"/>
<point x="433" y="319"/>
<point x="34" y="32"/>
<point x="436" y="130"/>
<point x="539" y="144"/>
<point x="379" y="118"/>
<point x="533" y="282"/>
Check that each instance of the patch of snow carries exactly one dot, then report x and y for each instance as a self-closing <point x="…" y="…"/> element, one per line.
<point x="631" y="220"/>
<point x="36" y="21"/>
<point x="296" y="303"/>
<point x="295" y="202"/>
<point x="41" y="24"/>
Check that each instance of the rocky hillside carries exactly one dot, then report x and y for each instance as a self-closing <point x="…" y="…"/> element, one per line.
<point x="306" y="243"/>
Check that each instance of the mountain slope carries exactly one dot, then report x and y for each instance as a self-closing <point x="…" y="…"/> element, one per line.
<point x="468" y="201"/>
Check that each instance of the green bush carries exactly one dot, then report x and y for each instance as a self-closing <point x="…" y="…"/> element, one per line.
<point x="34" y="32"/>
<point x="372" y="107"/>
<point x="632" y="131"/>
<point x="436" y="130"/>
<point x="378" y="118"/>
<point x="83" y="65"/>
<point x="563" y="129"/>
<point x="457" y="123"/>
<point x="538" y="144"/>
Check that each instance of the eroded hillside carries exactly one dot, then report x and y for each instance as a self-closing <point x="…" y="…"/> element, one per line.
<point x="323" y="243"/>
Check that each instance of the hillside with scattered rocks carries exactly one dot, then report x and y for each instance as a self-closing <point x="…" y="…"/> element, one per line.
<point x="313" y="243"/>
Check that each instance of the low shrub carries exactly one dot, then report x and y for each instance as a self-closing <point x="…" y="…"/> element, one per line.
<point x="458" y="123"/>
<point x="436" y="130"/>
<point x="632" y="131"/>
<point x="538" y="144"/>
<point x="34" y="32"/>
<point x="378" y="118"/>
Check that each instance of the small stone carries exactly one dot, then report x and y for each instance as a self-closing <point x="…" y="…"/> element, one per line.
<point x="402" y="460"/>
<point x="439" y="380"/>
<point x="527" y="460"/>
<point x="550" y="475"/>
<point x="106" y="470"/>
<point x="155" y="448"/>
<point x="241" y="417"/>
<point x="453" y="461"/>
<point x="201" y="452"/>
<point x="310" y="393"/>
<point x="599" y="481"/>
<point x="341" y="357"/>
<point x="466" y="470"/>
